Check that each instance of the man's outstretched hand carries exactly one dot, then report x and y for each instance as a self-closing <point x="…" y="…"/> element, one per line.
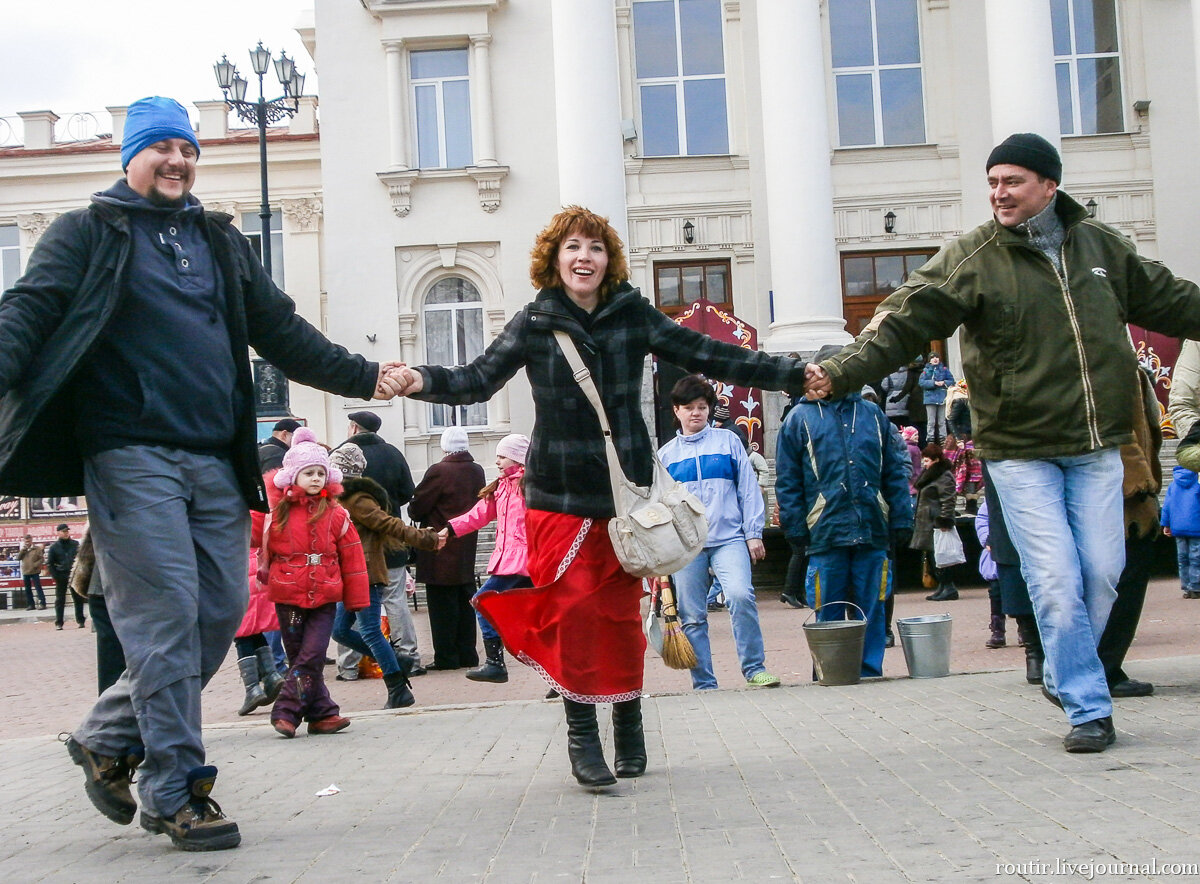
<point x="817" y="384"/>
<point x="397" y="379"/>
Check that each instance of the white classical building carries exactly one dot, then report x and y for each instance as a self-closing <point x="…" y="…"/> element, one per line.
<point x="788" y="159"/>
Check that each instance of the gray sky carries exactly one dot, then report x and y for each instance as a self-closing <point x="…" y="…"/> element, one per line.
<point x="84" y="55"/>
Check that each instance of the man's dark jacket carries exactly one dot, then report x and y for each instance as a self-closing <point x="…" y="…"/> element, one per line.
<point x="270" y="455"/>
<point x="60" y="556"/>
<point x="387" y="466"/>
<point x="74" y="283"/>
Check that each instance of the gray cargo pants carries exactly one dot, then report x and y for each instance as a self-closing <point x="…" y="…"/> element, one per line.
<point x="171" y="531"/>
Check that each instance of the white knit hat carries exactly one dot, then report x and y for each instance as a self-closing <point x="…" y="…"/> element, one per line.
<point x="514" y="446"/>
<point x="454" y="439"/>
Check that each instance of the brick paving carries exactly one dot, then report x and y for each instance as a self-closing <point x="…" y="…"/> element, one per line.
<point x="944" y="779"/>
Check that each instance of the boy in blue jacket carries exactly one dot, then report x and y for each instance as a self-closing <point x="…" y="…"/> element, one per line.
<point x="1181" y="520"/>
<point x="713" y="464"/>
<point x="842" y="487"/>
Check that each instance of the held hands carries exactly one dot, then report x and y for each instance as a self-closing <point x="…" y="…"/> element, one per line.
<point x="817" y="384"/>
<point x="397" y="379"/>
<point x="758" y="552"/>
<point x="442" y="537"/>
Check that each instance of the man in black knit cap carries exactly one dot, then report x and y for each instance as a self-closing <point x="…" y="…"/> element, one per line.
<point x="1043" y="293"/>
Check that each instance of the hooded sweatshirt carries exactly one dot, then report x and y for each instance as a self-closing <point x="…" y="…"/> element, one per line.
<point x="168" y="339"/>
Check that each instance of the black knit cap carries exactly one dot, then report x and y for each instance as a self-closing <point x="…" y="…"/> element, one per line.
<point x="1029" y="151"/>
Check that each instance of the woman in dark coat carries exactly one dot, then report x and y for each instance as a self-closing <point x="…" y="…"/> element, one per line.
<point x="935" y="512"/>
<point x="579" y="626"/>
<point x="450" y="488"/>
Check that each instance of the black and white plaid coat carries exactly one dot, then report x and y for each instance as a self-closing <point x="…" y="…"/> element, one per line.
<point x="566" y="470"/>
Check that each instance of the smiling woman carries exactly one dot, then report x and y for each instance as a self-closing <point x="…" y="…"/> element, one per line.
<point x="579" y="625"/>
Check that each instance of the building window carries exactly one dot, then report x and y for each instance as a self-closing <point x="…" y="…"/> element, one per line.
<point x="679" y="284"/>
<point x="1087" y="66"/>
<point x="680" y="58"/>
<point x="441" y="91"/>
<point x="10" y="256"/>
<point x="877" y="72"/>
<point x="252" y="228"/>
<point x="869" y="277"/>
<point x="453" y="315"/>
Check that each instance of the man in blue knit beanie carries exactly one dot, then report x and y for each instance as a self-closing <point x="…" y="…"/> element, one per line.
<point x="124" y="375"/>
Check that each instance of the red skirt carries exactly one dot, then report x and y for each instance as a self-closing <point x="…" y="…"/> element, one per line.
<point x="581" y="628"/>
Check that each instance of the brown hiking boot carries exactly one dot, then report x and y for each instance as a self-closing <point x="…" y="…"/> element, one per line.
<point x="199" y="824"/>
<point x="107" y="780"/>
<point x="330" y="725"/>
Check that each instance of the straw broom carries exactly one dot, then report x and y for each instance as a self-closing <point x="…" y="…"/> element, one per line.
<point x="677" y="651"/>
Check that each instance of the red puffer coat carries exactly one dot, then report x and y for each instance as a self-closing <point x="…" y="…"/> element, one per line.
<point x="315" y="563"/>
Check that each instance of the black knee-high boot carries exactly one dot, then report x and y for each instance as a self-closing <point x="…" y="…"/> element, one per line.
<point x="583" y="745"/>
<point x="629" y="739"/>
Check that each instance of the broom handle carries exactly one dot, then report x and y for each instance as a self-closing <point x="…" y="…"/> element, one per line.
<point x="583" y="377"/>
<point x="668" y="599"/>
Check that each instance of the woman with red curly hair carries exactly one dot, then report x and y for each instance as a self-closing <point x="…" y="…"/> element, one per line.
<point x="579" y="625"/>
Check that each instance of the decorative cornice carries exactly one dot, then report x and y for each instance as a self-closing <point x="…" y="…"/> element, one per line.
<point x="35" y="224"/>
<point x="305" y="213"/>
<point x="487" y="181"/>
<point x="716" y="163"/>
<point x="399" y="184"/>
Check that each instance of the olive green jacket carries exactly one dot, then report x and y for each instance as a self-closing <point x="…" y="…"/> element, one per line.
<point x="1047" y="360"/>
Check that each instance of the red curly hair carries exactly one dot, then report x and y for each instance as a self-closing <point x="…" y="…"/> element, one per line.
<point x="543" y="271"/>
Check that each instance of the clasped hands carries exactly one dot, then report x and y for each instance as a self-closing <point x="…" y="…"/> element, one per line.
<point x="817" y="383"/>
<point x="397" y="379"/>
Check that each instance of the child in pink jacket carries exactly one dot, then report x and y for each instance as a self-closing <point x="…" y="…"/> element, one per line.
<point x="504" y="502"/>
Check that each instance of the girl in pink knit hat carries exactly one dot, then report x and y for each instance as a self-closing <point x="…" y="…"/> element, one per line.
<point x="503" y="501"/>
<point x="313" y="560"/>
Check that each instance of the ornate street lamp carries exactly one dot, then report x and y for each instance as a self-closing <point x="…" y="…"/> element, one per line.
<point x="259" y="113"/>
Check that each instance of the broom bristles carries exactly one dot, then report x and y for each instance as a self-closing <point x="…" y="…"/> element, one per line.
<point x="677" y="651"/>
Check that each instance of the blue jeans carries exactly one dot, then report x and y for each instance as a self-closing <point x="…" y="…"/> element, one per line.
<point x="497" y="583"/>
<point x="731" y="563"/>
<point x="368" y="637"/>
<point x="1187" y="551"/>
<point x="857" y="574"/>
<point x="33" y="582"/>
<point x="1065" y="518"/>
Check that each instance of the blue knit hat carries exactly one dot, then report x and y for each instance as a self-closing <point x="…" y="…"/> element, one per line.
<point x="153" y="119"/>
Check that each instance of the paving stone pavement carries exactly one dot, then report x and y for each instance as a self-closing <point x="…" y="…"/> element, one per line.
<point x="954" y="779"/>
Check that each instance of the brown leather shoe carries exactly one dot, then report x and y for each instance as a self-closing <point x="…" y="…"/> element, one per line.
<point x="107" y="781"/>
<point x="330" y="725"/>
<point x="284" y="727"/>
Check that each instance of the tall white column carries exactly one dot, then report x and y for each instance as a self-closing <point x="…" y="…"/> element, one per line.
<point x="805" y="278"/>
<point x="397" y="130"/>
<point x="1020" y="44"/>
<point x="481" y="103"/>
<point x="587" y="109"/>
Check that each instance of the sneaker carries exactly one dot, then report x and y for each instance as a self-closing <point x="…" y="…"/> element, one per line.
<point x="199" y="824"/>
<point x="330" y="725"/>
<point x="763" y="679"/>
<point x="107" y="780"/>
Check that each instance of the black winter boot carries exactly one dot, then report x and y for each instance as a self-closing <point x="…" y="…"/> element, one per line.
<point x="583" y="745"/>
<point x="628" y="738"/>
<point x="1032" y="639"/>
<point x="997" y="638"/>
<point x="493" y="668"/>
<point x="399" y="690"/>
<point x="272" y="681"/>
<point x="248" y="667"/>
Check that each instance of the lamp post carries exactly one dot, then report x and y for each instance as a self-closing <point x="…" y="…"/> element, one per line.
<point x="260" y="112"/>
